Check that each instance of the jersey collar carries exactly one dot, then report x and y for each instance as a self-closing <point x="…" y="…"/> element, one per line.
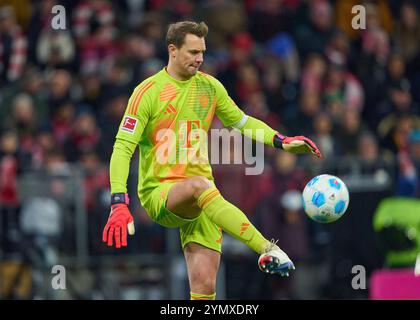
<point x="180" y="83"/>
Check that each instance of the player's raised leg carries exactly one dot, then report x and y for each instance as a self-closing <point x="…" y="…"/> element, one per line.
<point x="202" y="264"/>
<point x="189" y="197"/>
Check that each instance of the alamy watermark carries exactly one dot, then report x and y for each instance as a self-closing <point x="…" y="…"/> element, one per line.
<point x="358" y="282"/>
<point x="227" y="146"/>
<point x="359" y="20"/>
<point x="58" y="22"/>
<point x="58" y="282"/>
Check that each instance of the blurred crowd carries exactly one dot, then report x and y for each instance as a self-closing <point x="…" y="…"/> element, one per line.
<point x="297" y="65"/>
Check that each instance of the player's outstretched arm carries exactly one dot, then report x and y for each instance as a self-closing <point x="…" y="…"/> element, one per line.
<point x="120" y="219"/>
<point x="231" y="116"/>
<point x="297" y="144"/>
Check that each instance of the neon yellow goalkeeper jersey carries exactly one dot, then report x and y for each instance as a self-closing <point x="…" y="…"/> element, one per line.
<point x="167" y="119"/>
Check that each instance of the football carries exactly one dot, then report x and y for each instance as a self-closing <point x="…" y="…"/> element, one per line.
<point x="325" y="198"/>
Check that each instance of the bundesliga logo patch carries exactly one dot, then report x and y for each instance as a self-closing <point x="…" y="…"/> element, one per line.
<point x="129" y="124"/>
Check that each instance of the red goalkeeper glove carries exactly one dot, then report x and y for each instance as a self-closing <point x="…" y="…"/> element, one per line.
<point x="119" y="221"/>
<point x="298" y="144"/>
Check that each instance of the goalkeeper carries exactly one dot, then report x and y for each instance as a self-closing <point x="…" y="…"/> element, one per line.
<point x="180" y="99"/>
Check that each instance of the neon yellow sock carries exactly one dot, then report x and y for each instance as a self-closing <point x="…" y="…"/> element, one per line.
<point x="231" y="219"/>
<point x="200" y="296"/>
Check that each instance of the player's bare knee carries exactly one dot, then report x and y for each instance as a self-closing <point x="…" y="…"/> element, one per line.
<point x="203" y="284"/>
<point x="198" y="185"/>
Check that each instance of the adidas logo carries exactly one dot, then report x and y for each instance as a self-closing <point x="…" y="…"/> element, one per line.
<point x="244" y="227"/>
<point x="170" y="109"/>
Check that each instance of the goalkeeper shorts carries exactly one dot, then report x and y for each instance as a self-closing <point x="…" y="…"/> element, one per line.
<point x="199" y="230"/>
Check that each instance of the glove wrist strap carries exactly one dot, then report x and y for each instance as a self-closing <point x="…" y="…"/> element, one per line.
<point x="117" y="198"/>
<point x="278" y="140"/>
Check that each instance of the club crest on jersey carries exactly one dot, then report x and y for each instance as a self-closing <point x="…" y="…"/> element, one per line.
<point x="129" y="124"/>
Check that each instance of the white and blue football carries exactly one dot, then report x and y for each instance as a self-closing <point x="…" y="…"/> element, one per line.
<point x="325" y="198"/>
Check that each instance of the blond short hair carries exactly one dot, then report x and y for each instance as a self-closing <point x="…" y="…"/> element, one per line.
<point x="177" y="32"/>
